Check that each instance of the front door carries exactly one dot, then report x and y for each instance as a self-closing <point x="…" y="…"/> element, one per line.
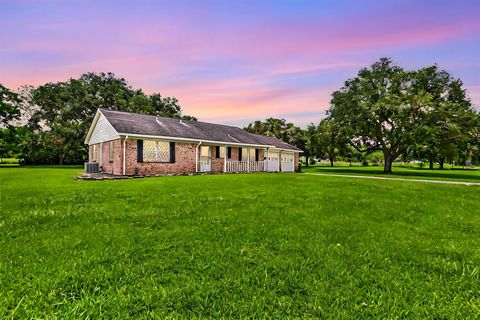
<point x="205" y="161"/>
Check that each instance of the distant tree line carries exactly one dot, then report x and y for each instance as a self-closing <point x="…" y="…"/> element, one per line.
<point x="48" y="124"/>
<point x="422" y="115"/>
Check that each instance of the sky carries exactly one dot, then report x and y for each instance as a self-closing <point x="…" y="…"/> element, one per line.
<point x="233" y="62"/>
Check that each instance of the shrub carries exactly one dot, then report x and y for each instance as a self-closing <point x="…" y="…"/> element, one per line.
<point x="9" y="161"/>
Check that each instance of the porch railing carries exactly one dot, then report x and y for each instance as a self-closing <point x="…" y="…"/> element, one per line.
<point x="245" y="166"/>
<point x="204" y="166"/>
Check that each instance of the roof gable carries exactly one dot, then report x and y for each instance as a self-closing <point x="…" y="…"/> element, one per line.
<point x="100" y="130"/>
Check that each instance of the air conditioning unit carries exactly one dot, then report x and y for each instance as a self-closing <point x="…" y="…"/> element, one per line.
<point x="91" y="167"/>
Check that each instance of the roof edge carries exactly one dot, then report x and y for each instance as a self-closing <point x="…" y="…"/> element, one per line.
<point x="195" y="140"/>
<point x="92" y="126"/>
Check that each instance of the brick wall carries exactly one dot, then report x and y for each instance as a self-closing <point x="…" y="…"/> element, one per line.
<point x="184" y="160"/>
<point x="115" y="166"/>
<point x="296" y="161"/>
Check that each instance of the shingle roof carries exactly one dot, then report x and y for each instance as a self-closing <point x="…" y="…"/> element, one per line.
<point x="141" y="124"/>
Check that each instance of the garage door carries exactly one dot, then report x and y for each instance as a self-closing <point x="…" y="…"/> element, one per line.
<point x="287" y="162"/>
<point x="273" y="161"/>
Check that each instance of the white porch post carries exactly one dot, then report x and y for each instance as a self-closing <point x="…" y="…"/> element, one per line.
<point x="248" y="159"/>
<point x="196" y="155"/>
<point x="267" y="160"/>
<point x="280" y="161"/>
<point x="225" y="159"/>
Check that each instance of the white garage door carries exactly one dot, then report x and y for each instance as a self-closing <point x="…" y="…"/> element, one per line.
<point x="273" y="161"/>
<point x="287" y="162"/>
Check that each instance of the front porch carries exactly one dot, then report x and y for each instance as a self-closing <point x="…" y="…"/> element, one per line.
<point x="234" y="166"/>
<point x="242" y="159"/>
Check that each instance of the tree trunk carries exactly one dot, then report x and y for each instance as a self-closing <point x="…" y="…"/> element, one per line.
<point x="331" y="162"/>
<point x="441" y="162"/>
<point x="387" y="167"/>
<point x="60" y="160"/>
<point x="431" y="163"/>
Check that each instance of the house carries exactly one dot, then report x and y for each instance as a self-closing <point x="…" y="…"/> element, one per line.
<point x="125" y="143"/>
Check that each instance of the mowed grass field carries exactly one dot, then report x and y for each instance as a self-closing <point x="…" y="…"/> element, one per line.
<point x="410" y="172"/>
<point x="240" y="246"/>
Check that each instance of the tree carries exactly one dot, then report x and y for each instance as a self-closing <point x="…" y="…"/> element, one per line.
<point x="8" y="105"/>
<point x="306" y="140"/>
<point x="379" y="110"/>
<point x="446" y="124"/>
<point x="329" y="142"/>
<point x="279" y="128"/>
<point x="65" y="110"/>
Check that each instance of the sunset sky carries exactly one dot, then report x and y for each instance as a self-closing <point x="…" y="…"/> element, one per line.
<point x="236" y="61"/>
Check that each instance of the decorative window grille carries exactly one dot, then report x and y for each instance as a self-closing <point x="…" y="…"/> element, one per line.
<point x="110" y="151"/>
<point x="156" y="151"/>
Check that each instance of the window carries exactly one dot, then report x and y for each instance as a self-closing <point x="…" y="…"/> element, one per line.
<point x="110" y="151"/>
<point x="229" y="152"/>
<point x="204" y="153"/>
<point x="93" y="150"/>
<point x="156" y="151"/>
<point x="252" y="154"/>
<point x="222" y="152"/>
<point x="219" y="152"/>
<point x="273" y="157"/>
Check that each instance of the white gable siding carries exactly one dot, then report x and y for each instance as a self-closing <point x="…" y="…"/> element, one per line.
<point x="103" y="131"/>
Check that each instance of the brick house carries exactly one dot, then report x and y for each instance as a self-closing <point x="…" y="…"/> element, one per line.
<point x="125" y="143"/>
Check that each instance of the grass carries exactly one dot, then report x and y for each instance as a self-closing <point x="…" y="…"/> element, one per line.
<point x="256" y="246"/>
<point x="410" y="172"/>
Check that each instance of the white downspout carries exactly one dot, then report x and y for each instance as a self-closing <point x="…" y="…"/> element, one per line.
<point x="225" y="159"/>
<point x="124" y="154"/>
<point x="196" y="155"/>
<point x="100" y="162"/>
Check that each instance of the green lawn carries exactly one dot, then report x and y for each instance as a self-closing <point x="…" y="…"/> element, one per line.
<point x="454" y="174"/>
<point x="258" y="245"/>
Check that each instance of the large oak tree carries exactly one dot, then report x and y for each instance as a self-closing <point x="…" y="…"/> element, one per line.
<point x="380" y="110"/>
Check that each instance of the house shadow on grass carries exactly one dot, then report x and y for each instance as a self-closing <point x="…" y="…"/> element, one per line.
<point x="454" y="174"/>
